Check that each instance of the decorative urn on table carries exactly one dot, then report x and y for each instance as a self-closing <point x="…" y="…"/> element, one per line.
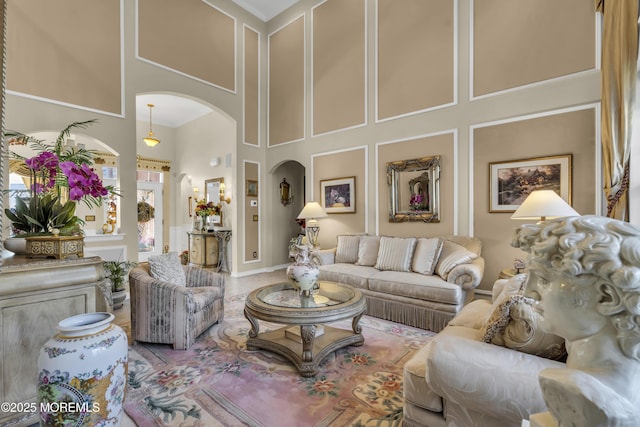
<point x="303" y="273"/>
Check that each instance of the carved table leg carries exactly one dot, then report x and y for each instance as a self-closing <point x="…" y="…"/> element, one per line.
<point x="255" y="326"/>
<point x="308" y="335"/>
<point x="355" y="324"/>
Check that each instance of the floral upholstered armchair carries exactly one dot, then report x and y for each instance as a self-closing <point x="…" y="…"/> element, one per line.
<point x="174" y="309"/>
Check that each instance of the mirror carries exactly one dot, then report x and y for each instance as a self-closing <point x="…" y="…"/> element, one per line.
<point x="414" y="189"/>
<point x="212" y="194"/>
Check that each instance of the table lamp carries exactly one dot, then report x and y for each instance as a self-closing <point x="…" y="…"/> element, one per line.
<point x="543" y="204"/>
<point x="310" y="213"/>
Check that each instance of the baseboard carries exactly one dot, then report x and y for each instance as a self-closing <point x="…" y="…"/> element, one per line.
<point x="483" y="294"/>
<point x="259" y="270"/>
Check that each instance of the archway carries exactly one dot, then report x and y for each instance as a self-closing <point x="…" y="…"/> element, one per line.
<point x="283" y="219"/>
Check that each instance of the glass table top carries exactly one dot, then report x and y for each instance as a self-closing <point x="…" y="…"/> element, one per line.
<point x="284" y="295"/>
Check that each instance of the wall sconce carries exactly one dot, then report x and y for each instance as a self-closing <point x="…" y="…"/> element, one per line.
<point x="193" y="198"/>
<point x="286" y="192"/>
<point x="222" y="196"/>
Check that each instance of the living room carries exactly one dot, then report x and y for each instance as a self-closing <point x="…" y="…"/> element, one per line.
<point x="324" y="90"/>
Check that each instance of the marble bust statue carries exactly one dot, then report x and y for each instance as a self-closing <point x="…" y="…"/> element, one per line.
<point x="584" y="276"/>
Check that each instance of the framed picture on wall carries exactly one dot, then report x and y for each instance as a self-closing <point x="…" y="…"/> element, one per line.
<point x="252" y="188"/>
<point x="338" y="195"/>
<point x="512" y="181"/>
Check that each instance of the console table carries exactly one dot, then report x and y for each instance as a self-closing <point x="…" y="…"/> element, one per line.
<point x="34" y="296"/>
<point x="209" y="248"/>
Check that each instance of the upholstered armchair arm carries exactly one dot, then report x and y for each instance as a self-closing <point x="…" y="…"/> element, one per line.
<point x="467" y="276"/>
<point x="323" y="256"/>
<point x="198" y="277"/>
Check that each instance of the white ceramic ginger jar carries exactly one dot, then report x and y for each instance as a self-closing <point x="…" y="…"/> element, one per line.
<point x="82" y="372"/>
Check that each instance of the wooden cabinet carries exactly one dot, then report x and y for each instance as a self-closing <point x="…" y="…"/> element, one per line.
<point x="204" y="249"/>
<point x="209" y="249"/>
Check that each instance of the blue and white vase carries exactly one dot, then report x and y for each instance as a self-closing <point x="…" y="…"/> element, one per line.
<point x="82" y="372"/>
<point x="303" y="273"/>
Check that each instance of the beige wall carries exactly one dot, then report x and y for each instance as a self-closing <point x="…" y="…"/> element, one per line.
<point x="251" y="224"/>
<point x="512" y="48"/>
<point x="415" y="55"/>
<point x="562" y="133"/>
<point x="287" y="83"/>
<point x="57" y="72"/>
<point x="341" y="165"/>
<point x="338" y="65"/>
<point x="251" y="87"/>
<point x="198" y="40"/>
<point x="574" y="88"/>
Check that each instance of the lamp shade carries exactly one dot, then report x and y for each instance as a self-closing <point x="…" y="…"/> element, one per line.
<point x="543" y="204"/>
<point x="312" y="210"/>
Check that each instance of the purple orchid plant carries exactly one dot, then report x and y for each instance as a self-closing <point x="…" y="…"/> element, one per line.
<point x="60" y="177"/>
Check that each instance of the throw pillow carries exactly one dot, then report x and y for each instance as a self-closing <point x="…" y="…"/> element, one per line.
<point x="395" y="253"/>
<point x="513" y="323"/>
<point x="347" y="250"/>
<point x="451" y="256"/>
<point x="167" y="267"/>
<point x="368" y="250"/>
<point x="426" y="255"/>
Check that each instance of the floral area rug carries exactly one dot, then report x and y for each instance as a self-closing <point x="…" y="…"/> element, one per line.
<point x="218" y="382"/>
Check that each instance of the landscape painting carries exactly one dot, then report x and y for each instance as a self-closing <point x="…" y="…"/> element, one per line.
<point x="511" y="182"/>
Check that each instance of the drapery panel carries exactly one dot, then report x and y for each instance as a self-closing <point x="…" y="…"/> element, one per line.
<point x="619" y="67"/>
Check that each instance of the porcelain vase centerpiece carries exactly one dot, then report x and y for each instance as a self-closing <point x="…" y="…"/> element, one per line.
<point x="303" y="273"/>
<point x="82" y="372"/>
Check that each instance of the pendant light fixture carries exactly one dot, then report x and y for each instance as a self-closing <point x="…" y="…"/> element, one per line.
<point x="150" y="140"/>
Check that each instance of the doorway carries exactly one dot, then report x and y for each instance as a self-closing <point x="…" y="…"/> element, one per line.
<point x="150" y="218"/>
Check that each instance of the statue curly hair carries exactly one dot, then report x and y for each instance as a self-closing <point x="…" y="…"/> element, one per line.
<point x="592" y="251"/>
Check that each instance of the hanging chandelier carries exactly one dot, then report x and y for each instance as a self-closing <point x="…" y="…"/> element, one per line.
<point x="150" y="140"/>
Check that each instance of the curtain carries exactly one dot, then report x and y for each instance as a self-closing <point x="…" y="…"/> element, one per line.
<point x="619" y="67"/>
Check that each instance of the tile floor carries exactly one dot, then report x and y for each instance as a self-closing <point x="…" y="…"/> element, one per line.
<point x="233" y="286"/>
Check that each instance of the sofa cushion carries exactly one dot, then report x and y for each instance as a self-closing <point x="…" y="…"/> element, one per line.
<point x="415" y="388"/>
<point x="452" y="255"/>
<point x="395" y="253"/>
<point x="368" y="250"/>
<point x="418" y="286"/>
<point x="472" y="315"/>
<point x="204" y="296"/>
<point x="347" y="249"/>
<point x="426" y="255"/>
<point x="514" y="323"/>
<point x="347" y="274"/>
<point x="168" y="268"/>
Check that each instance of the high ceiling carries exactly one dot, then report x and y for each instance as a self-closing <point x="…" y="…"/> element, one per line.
<point x="173" y="111"/>
<point x="265" y="9"/>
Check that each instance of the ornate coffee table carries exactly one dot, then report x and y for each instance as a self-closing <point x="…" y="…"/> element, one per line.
<point x="309" y="343"/>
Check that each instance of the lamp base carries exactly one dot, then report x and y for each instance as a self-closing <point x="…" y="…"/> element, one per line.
<point x="312" y="234"/>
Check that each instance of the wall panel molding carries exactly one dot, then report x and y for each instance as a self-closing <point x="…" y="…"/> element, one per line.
<point x="509" y="49"/>
<point x="416" y="56"/>
<point x="339" y="66"/>
<point x="251" y="100"/>
<point x="194" y="39"/>
<point x="287" y="70"/>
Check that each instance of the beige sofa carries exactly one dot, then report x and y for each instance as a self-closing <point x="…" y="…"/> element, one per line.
<point x="459" y="380"/>
<point x="421" y="282"/>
